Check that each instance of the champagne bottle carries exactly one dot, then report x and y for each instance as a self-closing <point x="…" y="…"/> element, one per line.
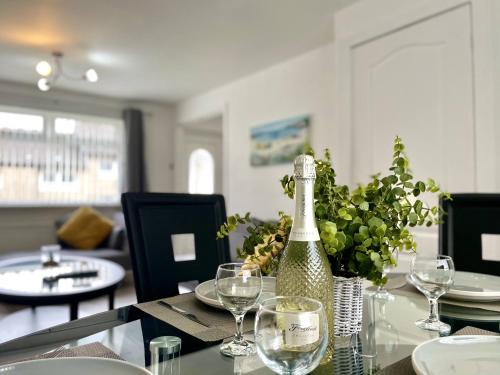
<point x="304" y="269"/>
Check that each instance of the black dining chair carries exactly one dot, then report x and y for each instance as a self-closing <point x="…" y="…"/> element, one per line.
<point x="468" y="217"/>
<point x="154" y="221"/>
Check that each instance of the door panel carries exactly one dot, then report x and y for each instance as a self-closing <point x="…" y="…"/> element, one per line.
<point x="417" y="82"/>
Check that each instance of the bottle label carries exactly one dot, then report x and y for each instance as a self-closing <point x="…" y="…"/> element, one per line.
<point x="301" y="329"/>
<point x="304" y="234"/>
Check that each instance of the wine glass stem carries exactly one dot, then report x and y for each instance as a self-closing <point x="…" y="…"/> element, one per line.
<point x="381" y="287"/>
<point x="238" y="337"/>
<point x="433" y="310"/>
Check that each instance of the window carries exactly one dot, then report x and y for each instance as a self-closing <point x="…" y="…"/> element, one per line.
<point x="201" y="172"/>
<point x="50" y="158"/>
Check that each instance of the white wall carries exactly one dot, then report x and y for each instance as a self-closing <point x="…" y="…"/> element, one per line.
<point x="303" y="85"/>
<point x="496" y="65"/>
<point x="26" y="228"/>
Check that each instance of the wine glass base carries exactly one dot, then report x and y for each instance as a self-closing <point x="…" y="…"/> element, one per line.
<point x="431" y="325"/>
<point x="231" y="348"/>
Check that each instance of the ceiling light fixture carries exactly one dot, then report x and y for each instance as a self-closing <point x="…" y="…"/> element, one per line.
<point x="43" y="84"/>
<point x="51" y="73"/>
<point x="44" y="68"/>
<point x="91" y="75"/>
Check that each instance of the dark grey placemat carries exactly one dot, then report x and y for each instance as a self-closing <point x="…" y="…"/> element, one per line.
<point x="404" y="366"/>
<point x="222" y="323"/>
<point x="94" y="349"/>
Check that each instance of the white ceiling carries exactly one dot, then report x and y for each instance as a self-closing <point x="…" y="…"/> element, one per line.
<point x="159" y="49"/>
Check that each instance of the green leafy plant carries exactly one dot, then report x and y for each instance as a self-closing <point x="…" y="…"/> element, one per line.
<point x="359" y="229"/>
<point x="264" y="241"/>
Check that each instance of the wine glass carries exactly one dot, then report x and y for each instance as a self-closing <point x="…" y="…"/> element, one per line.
<point x="238" y="288"/>
<point x="291" y="334"/>
<point x="433" y="276"/>
<point x="382" y="292"/>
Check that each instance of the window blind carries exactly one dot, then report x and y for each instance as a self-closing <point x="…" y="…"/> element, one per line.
<point x="48" y="158"/>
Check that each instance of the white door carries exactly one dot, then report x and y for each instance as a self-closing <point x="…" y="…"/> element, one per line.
<point x="416" y="82"/>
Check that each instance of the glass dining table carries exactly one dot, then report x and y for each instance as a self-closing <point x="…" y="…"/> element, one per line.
<point x="388" y="335"/>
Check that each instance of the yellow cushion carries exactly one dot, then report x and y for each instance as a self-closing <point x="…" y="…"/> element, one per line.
<point x="85" y="229"/>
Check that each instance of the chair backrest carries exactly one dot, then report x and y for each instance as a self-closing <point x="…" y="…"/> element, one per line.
<point x="468" y="217"/>
<point x="152" y="219"/>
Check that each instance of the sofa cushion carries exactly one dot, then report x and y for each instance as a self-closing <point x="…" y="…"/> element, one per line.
<point x="85" y="229"/>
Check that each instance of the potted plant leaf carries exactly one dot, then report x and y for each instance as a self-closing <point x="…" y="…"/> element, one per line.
<point x="360" y="229"/>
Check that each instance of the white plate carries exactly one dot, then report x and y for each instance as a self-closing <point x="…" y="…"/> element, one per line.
<point x="458" y="355"/>
<point x="470" y="286"/>
<point x="467" y="313"/>
<point x="73" y="366"/>
<point x="205" y="292"/>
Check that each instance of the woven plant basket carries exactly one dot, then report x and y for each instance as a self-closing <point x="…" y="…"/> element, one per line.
<point x="348" y="305"/>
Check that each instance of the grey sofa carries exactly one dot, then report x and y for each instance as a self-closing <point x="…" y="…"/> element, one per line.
<point x="114" y="247"/>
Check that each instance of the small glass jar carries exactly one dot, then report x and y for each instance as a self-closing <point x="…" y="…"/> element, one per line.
<point x="50" y="255"/>
<point x="165" y="355"/>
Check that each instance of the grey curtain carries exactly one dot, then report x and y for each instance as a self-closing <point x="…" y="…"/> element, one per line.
<point x="134" y="140"/>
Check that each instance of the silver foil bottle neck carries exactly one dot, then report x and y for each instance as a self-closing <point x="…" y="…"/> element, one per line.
<point x="304" y="167"/>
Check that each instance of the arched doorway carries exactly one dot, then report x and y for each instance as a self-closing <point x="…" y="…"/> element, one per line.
<point x="201" y="172"/>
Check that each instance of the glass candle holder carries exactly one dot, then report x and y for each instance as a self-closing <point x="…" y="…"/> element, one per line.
<point x="50" y="255"/>
<point x="165" y="355"/>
